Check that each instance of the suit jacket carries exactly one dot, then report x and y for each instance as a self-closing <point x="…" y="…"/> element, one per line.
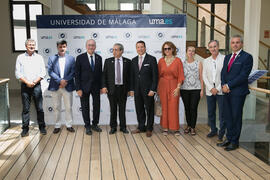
<point x="208" y="74"/>
<point x="237" y="77"/>
<point x="147" y="77"/>
<point x="54" y="73"/>
<point x="108" y="75"/>
<point x="86" y="79"/>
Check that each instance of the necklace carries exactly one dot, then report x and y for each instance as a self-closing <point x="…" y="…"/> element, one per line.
<point x="169" y="60"/>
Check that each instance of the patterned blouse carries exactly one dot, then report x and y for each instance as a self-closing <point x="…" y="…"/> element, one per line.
<point x="192" y="76"/>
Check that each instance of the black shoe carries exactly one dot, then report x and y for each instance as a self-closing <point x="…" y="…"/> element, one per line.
<point x="24" y="133"/>
<point x="70" y="129"/>
<point x="211" y="134"/>
<point x="113" y="131"/>
<point x="124" y="130"/>
<point x="231" y="147"/>
<point x="88" y="131"/>
<point x="43" y="131"/>
<point x="56" y="130"/>
<point x="224" y="143"/>
<point x="96" y="128"/>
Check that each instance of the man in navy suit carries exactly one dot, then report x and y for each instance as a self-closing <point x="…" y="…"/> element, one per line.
<point x="234" y="80"/>
<point x="88" y="77"/>
<point x="61" y="69"/>
<point x="144" y="80"/>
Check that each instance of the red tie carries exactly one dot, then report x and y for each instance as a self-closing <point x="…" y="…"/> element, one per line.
<point x="231" y="61"/>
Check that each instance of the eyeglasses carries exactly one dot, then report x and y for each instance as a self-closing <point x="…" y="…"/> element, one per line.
<point x="167" y="49"/>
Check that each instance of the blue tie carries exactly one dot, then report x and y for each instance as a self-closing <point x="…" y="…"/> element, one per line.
<point x="92" y="63"/>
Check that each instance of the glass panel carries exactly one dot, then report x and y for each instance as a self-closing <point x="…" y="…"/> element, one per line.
<point x="35" y="9"/>
<point x="221" y="11"/>
<point x="19" y="37"/>
<point x="19" y="26"/>
<point x="18" y="12"/>
<point x="204" y="31"/>
<point x="126" y="6"/>
<point x="4" y="106"/>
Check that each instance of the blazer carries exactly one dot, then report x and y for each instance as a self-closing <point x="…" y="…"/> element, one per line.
<point x="237" y="77"/>
<point x="147" y="77"/>
<point x="54" y="73"/>
<point x="108" y="75"/>
<point x="208" y="74"/>
<point x="85" y="78"/>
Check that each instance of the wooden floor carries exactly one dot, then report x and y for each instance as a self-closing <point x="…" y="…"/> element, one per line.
<point x="103" y="156"/>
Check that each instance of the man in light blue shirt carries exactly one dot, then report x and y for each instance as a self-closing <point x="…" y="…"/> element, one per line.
<point x="30" y="70"/>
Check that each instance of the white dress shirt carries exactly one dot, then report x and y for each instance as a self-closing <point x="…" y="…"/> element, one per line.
<point x="89" y="57"/>
<point x="30" y="67"/>
<point x="62" y="63"/>
<point x="121" y="70"/>
<point x="237" y="53"/>
<point x="211" y="73"/>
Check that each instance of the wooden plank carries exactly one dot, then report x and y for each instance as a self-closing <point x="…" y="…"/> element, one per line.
<point x="177" y="171"/>
<point x="126" y="157"/>
<point x="37" y="156"/>
<point x="51" y="165"/>
<point x="95" y="172"/>
<point x="149" y="161"/>
<point x="162" y="164"/>
<point x="73" y="164"/>
<point x="178" y="156"/>
<point x="118" y="169"/>
<point x="214" y="162"/>
<point x="84" y="166"/>
<point x="63" y="162"/>
<point x="11" y="155"/>
<point x="27" y="153"/>
<point x="106" y="161"/>
<point x="138" y="160"/>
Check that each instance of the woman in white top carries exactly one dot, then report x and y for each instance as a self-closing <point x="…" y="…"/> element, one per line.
<point x="192" y="89"/>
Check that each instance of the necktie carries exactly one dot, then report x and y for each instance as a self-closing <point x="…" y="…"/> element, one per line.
<point x="118" y="72"/>
<point x="92" y="63"/>
<point x="140" y="62"/>
<point x="231" y="61"/>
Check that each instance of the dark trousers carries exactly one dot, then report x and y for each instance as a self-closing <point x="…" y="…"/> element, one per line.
<point x="144" y="105"/>
<point x="191" y="100"/>
<point x="233" y="110"/>
<point x="26" y="94"/>
<point x="86" y="108"/>
<point x="211" y="107"/>
<point x="118" y="99"/>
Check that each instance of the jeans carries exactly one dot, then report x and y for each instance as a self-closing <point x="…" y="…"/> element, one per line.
<point x="26" y="94"/>
<point x="211" y="106"/>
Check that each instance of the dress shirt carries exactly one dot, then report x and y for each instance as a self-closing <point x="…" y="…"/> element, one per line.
<point x="30" y="67"/>
<point x="143" y="56"/>
<point x="214" y="72"/>
<point x="235" y="56"/>
<point x="62" y="63"/>
<point x="89" y="58"/>
<point x="121" y="70"/>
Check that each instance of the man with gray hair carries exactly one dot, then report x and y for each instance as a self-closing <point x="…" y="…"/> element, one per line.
<point x="116" y="84"/>
<point x="212" y="67"/>
<point x="30" y="70"/>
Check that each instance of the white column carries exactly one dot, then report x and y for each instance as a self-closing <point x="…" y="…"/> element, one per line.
<point x="156" y="7"/>
<point x="57" y="7"/>
<point x="251" y="45"/>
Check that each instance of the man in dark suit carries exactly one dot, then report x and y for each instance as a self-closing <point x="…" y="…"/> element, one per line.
<point x="144" y="80"/>
<point x="234" y="80"/>
<point x="61" y="69"/>
<point x="116" y="83"/>
<point x="88" y="77"/>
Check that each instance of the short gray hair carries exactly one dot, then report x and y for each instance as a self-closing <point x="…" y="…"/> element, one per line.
<point x="90" y="40"/>
<point x="121" y="47"/>
<point x="238" y="36"/>
<point x="29" y="40"/>
<point x="214" y="41"/>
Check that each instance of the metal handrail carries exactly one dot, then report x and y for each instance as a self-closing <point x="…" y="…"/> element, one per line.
<point x="266" y="91"/>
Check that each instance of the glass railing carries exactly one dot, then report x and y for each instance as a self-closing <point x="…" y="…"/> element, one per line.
<point x="255" y="134"/>
<point x="4" y="105"/>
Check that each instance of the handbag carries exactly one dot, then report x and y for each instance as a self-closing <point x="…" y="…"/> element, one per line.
<point x="158" y="108"/>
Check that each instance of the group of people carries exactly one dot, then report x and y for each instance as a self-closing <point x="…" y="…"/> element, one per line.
<point x="225" y="79"/>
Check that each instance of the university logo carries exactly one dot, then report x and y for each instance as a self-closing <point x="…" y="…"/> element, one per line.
<point x="46" y="51"/>
<point x="78" y="51"/>
<point x="79" y="109"/>
<point x="177" y="50"/>
<point x="78" y="37"/>
<point x="62" y="35"/>
<point x="127" y="35"/>
<point x="48" y="80"/>
<point x="110" y="50"/>
<point x="95" y="35"/>
<point x="50" y="109"/>
<point x="143" y="37"/>
<point x="176" y="36"/>
<point x="45" y="37"/>
<point x="160" y="35"/>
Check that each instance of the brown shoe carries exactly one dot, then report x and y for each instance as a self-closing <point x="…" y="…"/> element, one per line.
<point x="193" y="132"/>
<point x="135" y="131"/>
<point x="187" y="130"/>
<point x="148" y="133"/>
